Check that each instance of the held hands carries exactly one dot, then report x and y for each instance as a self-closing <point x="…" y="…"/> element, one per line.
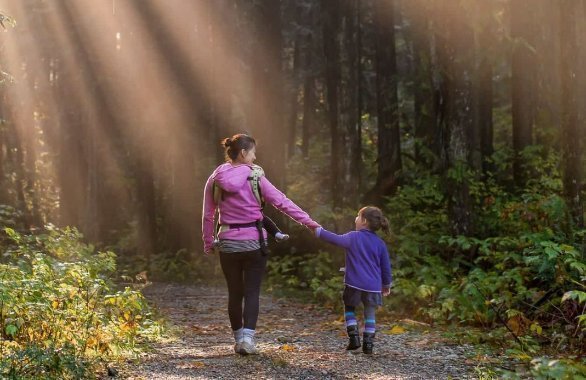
<point x="316" y="231"/>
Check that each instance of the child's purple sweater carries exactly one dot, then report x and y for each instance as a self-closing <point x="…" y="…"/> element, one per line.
<point x="368" y="266"/>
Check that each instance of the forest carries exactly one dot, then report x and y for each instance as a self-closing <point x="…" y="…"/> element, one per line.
<point x="463" y="120"/>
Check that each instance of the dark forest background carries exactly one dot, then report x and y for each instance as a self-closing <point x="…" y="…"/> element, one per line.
<point x="463" y="119"/>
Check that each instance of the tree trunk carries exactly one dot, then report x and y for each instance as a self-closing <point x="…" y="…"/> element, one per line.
<point x="221" y="125"/>
<point x="98" y="115"/>
<point x="482" y="135"/>
<point x="330" y="12"/>
<point x="354" y="48"/>
<point x="456" y="59"/>
<point x="423" y="88"/>
<point x="572" y="131"/>
<point x="356" y="144"/>
<point x="19" y="170"/>
<point x="345" y="99"/>
<point x="183" y="181"/>
<point x="524" y="83"/>
<point x="4" y="150"/>
<point x="146" y="205"/>
<point x="308" y="97"/>
<point x="294" y="87"/>
<point x="389" y="136"/>
<point x="267" y="109"/>
<point x="308" y="113"/>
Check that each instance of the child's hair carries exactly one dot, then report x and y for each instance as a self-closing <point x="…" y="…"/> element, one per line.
<point x="375" y="218"/>
<point x="234" y="145"/>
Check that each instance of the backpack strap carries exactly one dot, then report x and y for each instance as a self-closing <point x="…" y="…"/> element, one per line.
<point x="217" y="192"/>
<point x="218" y="195"/>
<point x="254" y="178"/>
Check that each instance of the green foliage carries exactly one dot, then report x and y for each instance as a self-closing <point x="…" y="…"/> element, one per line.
<point x="314" y="272"/>
<point x="546" y="369"/>
<point x="181" y="266"/>
<point x="59" y="312"/>
<point x="517" y="278"/>
<point x="8" y="216"/>
<point x="520" y="273"/>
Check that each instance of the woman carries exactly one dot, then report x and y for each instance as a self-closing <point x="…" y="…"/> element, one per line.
<point x="240" y="244"/>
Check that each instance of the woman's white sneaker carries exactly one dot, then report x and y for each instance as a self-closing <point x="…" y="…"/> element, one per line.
<point x="247" y="348"/>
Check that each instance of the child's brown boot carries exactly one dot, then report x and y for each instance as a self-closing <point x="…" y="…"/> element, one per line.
<point x="367" y="343"/>
<point x="353" y="337"/>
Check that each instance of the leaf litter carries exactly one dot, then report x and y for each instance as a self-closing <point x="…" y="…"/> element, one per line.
<point x="296" y="341"/>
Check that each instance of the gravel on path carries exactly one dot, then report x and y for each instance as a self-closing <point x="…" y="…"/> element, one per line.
<point x="296" y="341"/>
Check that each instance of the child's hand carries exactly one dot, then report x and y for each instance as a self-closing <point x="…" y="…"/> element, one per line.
<point x="386" y="291"/>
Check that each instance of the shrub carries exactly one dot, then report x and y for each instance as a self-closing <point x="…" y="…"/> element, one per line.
<point x="60" y="315"/>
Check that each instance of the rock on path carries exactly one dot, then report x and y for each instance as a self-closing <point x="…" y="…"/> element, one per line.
<point x="296" y="341"/>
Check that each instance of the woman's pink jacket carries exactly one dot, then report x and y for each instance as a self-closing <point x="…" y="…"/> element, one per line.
<point x="239" y="205"/>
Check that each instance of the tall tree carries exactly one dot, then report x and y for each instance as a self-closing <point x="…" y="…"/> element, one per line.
<point x="355" y="115"/>
<point x="524" y="82"/>
<point x="99" y="117"/>
<point x="193" y="115"/>
<point x="456" y="49"/>
<point x="331" y="27"/>
<point x="424" y="95"/>
<point x="308" y="105"/>
<point x="572" y="129"/>
<point x="351" y="110"/>
<point x="267" y="108"/>
<point x="389" y="136"/>
<point x="482" y="96"/>
<point x="293" y="64"/>
<point x="309" y="98"/>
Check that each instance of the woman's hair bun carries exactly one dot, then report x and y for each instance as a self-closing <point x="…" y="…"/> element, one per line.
<point x="235" y="144"/>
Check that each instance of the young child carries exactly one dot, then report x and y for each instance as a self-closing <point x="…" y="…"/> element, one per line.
<point x="368" y="272"/>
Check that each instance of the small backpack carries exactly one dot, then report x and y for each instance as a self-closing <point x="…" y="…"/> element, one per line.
<point x="254" y="178"/>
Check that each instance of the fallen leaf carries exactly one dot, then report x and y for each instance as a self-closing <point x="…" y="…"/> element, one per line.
<point x="287" y="347"/>
<point x="395" y="330"/>
<point x="195" y="364"/>
<point x="413" y="322"/>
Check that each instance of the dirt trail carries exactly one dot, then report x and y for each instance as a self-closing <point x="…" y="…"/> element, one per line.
<point x="296" y="341"/>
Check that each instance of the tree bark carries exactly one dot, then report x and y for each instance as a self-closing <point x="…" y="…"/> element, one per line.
<point x="424" y="105"/>
<point x="355" y="69"/>
<point x="389" y="136"/>
<point x="572" y="131"/>
<point x="524" y="83"/>
<point x="268" y="108"/>
<point x="308" y="96"/>
<point x="456" y="60"/>
<point x="181" y="210"/>
<point x="482" y="135"/>
<point x="330" y="12"/>
<point x="293" y="84"/>
<point x="308" y="113"/>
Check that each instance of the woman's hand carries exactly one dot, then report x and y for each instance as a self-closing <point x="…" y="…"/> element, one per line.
<point x="386" y="291"/>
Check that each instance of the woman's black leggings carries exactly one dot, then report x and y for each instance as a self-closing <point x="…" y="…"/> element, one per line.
<point x="243" y="272"/>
